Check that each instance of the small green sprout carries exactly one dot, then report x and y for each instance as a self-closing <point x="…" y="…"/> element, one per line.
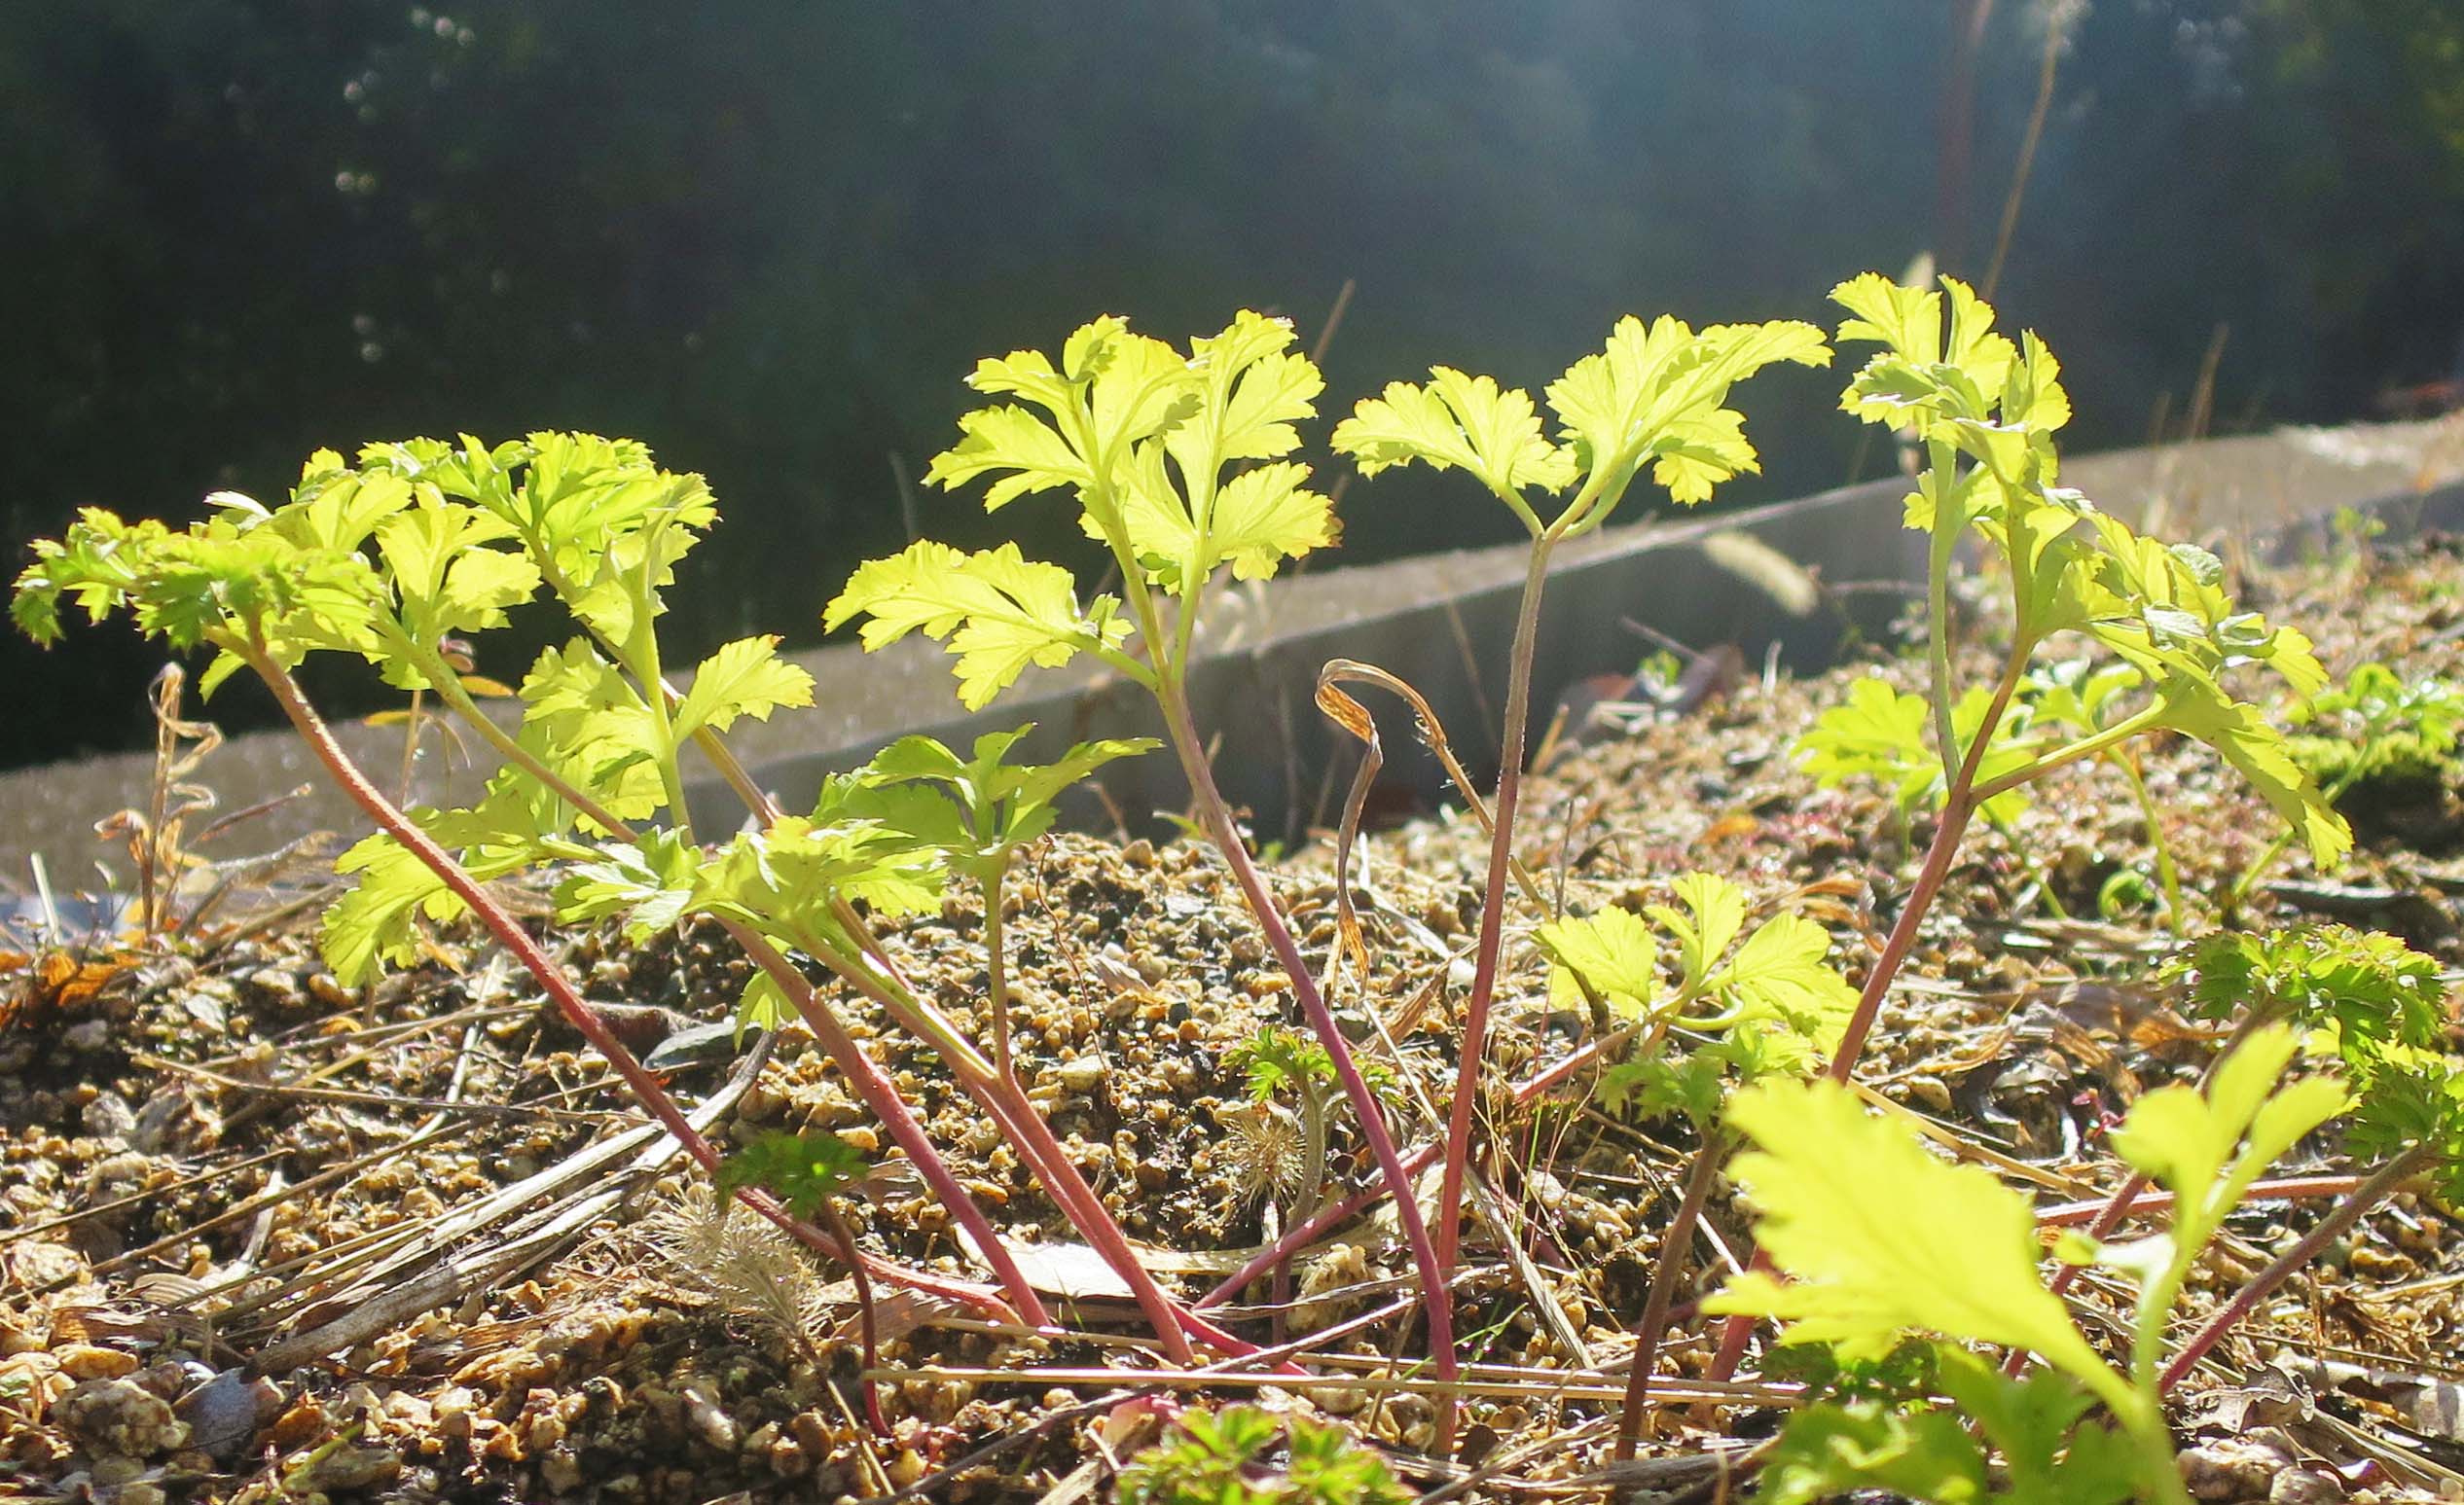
<point x="975" y="813"/>
<point x="1770" y="1000"/>
<point x="1224" y="1457"/>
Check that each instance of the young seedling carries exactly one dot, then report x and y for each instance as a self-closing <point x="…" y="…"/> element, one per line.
<point x="1986" y="412"/>
<point x="1654" y="397"/>
<point x="420" y="544"/>
<point x="804" y="1172"/>
<point x="975" y="813"/>
<point x="1835" y="1191"/>
<point x="2377" y="725"/>
<point x="1224" y="1457"/>
<point x="1772" y="1004"/>
<point x="2379" y="1008"/>
<point x="1174" y="464"/>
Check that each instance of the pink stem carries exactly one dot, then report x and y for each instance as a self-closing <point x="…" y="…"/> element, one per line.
<point x="1365" y="1108"/>
<point x="880" y="1096"/>
<point x="2370" y="1194"/>
<point x="550" y="977"/>
<point x="1484" y="968"/>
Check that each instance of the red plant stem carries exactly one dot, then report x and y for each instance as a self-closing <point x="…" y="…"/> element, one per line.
<point x="1484" y="966"/>
<point x="2126" y="1198"/>
<point x="1675" y="1245"/>
<point x="880" y="1096"/>
<point x="1006" y="1102"/>
<point x="2104" y="1214"/>
<point x="878" y="1092"/>
<point x="1029" y="1133"/>
<point x="1365" y="1108"/>
<point x="1309" y="1228"/>
<point x="2380" y="1185"/>
<point x="1957" y="808"/>
<point x="864" y="1319"/>
<point x="550" y="977"/>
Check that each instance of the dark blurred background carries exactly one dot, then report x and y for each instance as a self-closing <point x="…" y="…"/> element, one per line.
<point x="770" y="239"/>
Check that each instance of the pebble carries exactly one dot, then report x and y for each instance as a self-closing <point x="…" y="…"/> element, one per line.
<point x="2231" y="1468"/>
<point x="109" y="1117"/>
<point x="121" y="1419"/>
<point x="1083" y="1073"/>
<point x="2305" y="1486"/>
<point x="90" y="1361"/>
<point x="353" y="1468"/>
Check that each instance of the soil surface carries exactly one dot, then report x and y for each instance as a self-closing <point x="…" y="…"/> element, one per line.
<point x="267" y="1239"/>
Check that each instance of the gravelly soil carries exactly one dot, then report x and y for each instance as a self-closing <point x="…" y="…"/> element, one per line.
<point x="194" y="1146"/>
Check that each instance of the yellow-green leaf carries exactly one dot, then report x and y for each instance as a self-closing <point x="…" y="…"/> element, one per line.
<point x="1455" y="422"/>
<point x="1613" y="951"/>
<point x="998" y="611"/>
<point x="1837" y="1192"/>
<point x="743" y="678"/>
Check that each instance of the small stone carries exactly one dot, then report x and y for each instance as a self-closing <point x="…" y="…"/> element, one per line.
<point x="1084" y="1073"/>
<point x="121" y="1419"/>
<point x="712" y="1427"/>
<point x="2231" y="1468"/>
<point x="354" y="1468"/>
<point x="138" y="1492"/>
<point x="2305" y="1486"/>
<point x="90" y="1361"/>
<point x="561" y="1470"/>
<point x="109" y="1117"/>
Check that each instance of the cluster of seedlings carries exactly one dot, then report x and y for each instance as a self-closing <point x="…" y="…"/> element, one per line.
<point x="1955" y="1371"/>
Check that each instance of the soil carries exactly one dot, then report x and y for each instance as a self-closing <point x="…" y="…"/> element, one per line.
<point x="269" y="1239"/>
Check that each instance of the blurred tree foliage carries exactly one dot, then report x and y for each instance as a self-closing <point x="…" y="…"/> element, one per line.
<point x="770" y="239"/>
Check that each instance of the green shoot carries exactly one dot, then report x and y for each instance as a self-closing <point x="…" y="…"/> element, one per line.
<point x="1774" y="1005"/>
<point x="1656" y="397"/>
<point x="1862" y="1280"/>
<point x="1174" y="463"/>
<point x="976" y="813"/>
<point x="1223" y="1457"/>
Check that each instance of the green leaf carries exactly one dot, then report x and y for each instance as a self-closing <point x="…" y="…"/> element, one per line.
<point x="1656" y="395"/>
<point x="2366" y="989"/>
<point x="2185" y="1140"/>
<point x="1931" y="380"/>
<point x="1254" y="389"/>
<point x="999" y="612"/>
<point x="1715" y="912"/>
<point x="445" y="577"/>
<point x="1112" y="390"/>
<point x="1781" y="974"/>
<point x="1457" y="422"/>
<point x="744" y="678"/>
<point x="2052" y="1454"/>
<point x="652" y="884"/>
<point x="1614" y="951"/>
<point x="1833" y="1187"/>
<point x="1277" y="1059"/>
<point x="802" y="1171"/>
<point x="1833" y="1450"/>
<point x="1259" y="519"/>
<point x="984" y="808"/>
<point x="376" y="925"/>
<point x="1886" y="734"/>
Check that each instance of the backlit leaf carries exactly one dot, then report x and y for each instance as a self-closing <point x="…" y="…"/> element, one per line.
<point x="1834" y="1187"/>
<point x="1000" y="612"/>
<point x="744" y="678"/>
